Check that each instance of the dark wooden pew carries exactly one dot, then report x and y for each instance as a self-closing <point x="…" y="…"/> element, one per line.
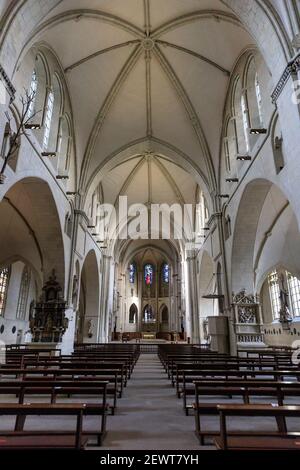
<point x="244" y="389"/>
<point x="40" y="376"/>
<point x="257" y="440"/>
<point x="55" y="390"/>
<point x="20" y="439"/>
<point x="188" y="377"/>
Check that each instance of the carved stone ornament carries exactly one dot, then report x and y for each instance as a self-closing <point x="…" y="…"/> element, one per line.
<point x="246" y="307"/>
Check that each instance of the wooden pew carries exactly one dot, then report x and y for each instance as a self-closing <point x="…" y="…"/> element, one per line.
<point x="261" y="440"/>
<point x="243" y="389"/>
<point x="54" y="390"/>
<point x="120" y="368"/>
<point x="40" y="376"/>
<point x="19" y="439"/>
<point x="188" y="377"/>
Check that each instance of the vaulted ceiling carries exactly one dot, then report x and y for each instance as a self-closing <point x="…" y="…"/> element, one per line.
<point x="147" y="72"/>
<point x="149" y="179"/>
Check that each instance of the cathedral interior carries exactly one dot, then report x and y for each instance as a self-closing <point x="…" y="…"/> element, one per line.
<point x="149" y="210"/>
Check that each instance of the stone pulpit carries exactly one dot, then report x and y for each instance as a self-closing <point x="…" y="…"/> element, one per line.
<point x="49" y="322"/>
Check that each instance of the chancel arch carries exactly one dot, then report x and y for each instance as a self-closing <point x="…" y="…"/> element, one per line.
<point x="148" y="287"/>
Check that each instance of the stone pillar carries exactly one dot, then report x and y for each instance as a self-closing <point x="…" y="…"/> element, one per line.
<point x="68" y="339"/>
<point x="140" y="304"/>
<point x="290" y="7"/>
<point x="173" y="295"/>
<point x="192" y="316"/>
<point x="67" y="344"/>
<point x="105" y="298"/>
<point x="157" y="285"/>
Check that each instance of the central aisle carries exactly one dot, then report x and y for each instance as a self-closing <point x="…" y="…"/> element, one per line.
<point x="149" y="416"/>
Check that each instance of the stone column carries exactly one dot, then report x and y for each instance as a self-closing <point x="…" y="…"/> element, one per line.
<point x="293" y="18"/>
<point x="173" y="295"/>
<point x="191" y="300"/>
<point x="105" y="298"/>
<point x="67" y="344"/>
<point x="140" y="304"/>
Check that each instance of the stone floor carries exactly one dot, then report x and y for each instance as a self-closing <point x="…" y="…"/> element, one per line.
<point x="149" y="416"/>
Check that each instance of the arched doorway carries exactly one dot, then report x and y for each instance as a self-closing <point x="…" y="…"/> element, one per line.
<point x="148" y="314"/>
<point x="133" y="314"/>
<point x="164" y="318"/>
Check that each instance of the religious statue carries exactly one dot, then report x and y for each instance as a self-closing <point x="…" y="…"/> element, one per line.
<point x="90" y="328"/>
<point x="75" y="291"/>
<point x="284" y="312"/>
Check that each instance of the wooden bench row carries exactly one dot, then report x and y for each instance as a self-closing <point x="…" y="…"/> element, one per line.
<point x="24" y="439"/>
<point x="244" y="390"/>
<point x="257" y="440"/>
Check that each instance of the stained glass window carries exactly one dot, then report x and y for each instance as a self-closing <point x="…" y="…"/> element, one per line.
<point x="245" y="121"/>
<point x="23" y="295"/>
<point x="165" y="273"/>
<point x="48" y="119"/>
<point x="259" y="99"/>
<point x="132" y="273"/>
<point x="294" y="291"/>
<point x="33" y="91"/>
<point x="274" y="293"/>
<point x="148" y="273"/>
<point x="4" y="279"/>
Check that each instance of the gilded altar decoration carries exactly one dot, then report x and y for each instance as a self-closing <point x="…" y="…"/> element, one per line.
<point x="49" y="322"/>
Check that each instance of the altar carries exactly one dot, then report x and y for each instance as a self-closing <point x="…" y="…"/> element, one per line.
<point x="149" y="335"/>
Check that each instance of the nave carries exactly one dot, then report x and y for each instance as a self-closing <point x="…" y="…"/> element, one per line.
<point x="149" y="192"/>
<point x="150" y="417"/>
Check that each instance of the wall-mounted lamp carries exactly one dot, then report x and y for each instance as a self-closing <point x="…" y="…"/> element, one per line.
<point x="62" y="177"/>
<point x="259" y="130"/>
<point x="232" y="180"/>
<point x="244" y="158"/>
<point x="32" y="126"/>
<point x="48" y="154"/>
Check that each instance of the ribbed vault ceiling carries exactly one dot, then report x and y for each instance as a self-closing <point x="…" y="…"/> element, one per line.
<point x="145" y="71"/>
<point x="149" y="179"/>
